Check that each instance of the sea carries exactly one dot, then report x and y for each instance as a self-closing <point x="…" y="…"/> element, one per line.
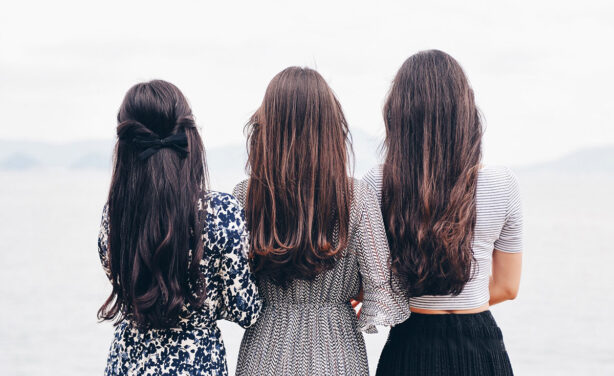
<point x="51" y="282"/>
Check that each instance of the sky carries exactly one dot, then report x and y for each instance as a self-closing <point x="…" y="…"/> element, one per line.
<point x="541" y="70"/>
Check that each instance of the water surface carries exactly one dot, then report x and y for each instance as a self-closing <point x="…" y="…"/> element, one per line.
<point x="51" y="282"/>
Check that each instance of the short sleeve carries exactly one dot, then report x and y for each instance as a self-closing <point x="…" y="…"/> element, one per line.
<point x="510" y="238"/>
<point x="381" y="304"/>
<point x="103" y="242"/>
<point x="239" y="292"/>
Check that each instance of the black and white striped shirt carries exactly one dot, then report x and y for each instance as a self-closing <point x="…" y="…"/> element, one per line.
<point x="498" y="226"/>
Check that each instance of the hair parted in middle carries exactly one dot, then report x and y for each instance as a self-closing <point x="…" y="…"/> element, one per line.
<point x="299" y="193"/>
<point x="433" y="154"/>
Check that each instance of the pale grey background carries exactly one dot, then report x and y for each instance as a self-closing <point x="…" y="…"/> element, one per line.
<point x="542" y="76"/>
<point x="541" y="69"/>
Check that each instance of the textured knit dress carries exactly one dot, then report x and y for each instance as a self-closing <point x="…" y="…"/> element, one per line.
<point x="309" y="327"/>
<point x="195" y="346"/>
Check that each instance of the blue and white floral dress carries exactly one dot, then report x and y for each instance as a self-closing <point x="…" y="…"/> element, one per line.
<point x="195" y="347"/>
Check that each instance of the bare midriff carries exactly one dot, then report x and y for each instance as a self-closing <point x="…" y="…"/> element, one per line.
<point x="449" y="311"/>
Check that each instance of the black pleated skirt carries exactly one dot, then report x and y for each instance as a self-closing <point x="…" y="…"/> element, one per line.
<point x="454" y="345"/>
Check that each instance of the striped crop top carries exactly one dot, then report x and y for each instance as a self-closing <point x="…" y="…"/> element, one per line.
<point x="498" y="226"/>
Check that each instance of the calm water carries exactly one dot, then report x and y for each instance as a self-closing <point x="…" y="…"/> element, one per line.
<point x="51" y="282"/>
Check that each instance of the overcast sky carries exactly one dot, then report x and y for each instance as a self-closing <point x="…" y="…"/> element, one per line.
<point x="542" y="71"/>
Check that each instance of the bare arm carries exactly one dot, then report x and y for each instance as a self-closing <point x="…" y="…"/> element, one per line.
<point x="507" y="256"/>
<point x="505" y="278"/>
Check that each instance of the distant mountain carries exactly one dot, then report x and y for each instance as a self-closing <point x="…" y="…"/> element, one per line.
<point x="589" y="160"/>
<point x="228" y="161"/>
<point x="63" y="155"/>
<point x="19" y="161"/>
<point x="93" y="161"/>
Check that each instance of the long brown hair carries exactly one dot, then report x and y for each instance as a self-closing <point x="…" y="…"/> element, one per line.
<point x="298" y="193"/>
<point x="155" y="242"/>
<point x="433" y="152"/>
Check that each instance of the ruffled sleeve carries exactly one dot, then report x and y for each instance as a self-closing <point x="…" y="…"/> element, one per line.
<point x="239" y="293"/>
<point x="382" y="302"/>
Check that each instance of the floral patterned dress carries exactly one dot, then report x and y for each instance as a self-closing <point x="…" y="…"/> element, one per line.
<point x="195" y="347"/>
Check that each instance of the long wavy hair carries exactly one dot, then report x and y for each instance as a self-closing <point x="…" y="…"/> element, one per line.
<point x="298" y="194"/>
<point x="155" y="242"/>
<point x="433" y="153"/>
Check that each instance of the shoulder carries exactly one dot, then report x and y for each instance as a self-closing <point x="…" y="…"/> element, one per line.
<point x="105" y="212"/>
<point x="223" y="210"/>
<point x="240" y="191"/>
<point x="104" y="221"/>
<point x="500" y="172"/>
<point x="374" y="177"/>
<point x="497" y="182"/>
<point x="497" y="177"/>
<point x="221" y="200"/>
<point x="364" y="198"/>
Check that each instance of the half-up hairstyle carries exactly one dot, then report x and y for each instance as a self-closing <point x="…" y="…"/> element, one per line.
<point x="298" y="194"/>
<point x="433" y="153"/>
<point x="155" y="242"/>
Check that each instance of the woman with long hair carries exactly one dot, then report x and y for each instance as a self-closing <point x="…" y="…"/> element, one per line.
<point x="175" y="252"/>
<point x="449" y="221"/>
<point x="316" y="237"/>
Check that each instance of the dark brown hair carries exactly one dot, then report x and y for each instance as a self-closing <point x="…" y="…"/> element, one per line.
<point x="433" y="152"/>
<point x="155" y="242"/>
<point x="298" y="193"/>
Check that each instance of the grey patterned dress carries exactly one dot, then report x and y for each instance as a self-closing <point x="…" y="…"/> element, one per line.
<point x="309" y="327"/>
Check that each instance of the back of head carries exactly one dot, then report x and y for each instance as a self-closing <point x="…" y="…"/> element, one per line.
<point x="433" y="152"/>
<point x="159" y="176"/>
<point x="299" y="188"/>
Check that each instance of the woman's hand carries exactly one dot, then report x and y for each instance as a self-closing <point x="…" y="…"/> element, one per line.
<point x="357" y="301"/>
